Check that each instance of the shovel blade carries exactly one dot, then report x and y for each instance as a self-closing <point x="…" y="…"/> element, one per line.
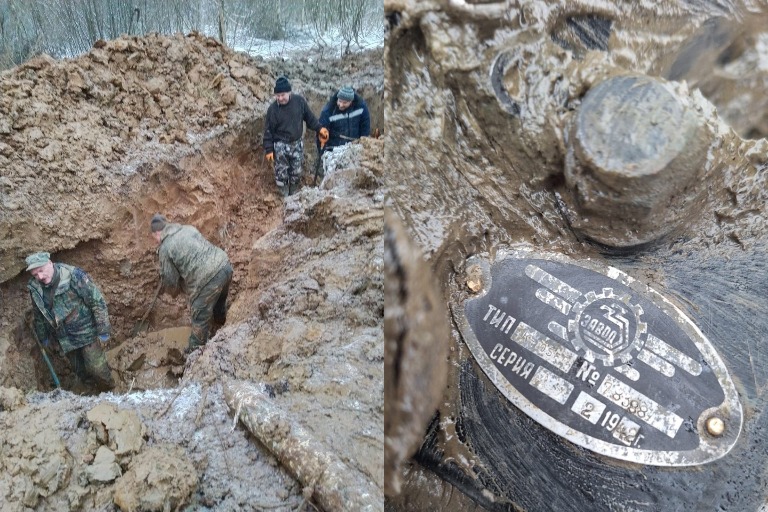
<point x="139" y="327"/>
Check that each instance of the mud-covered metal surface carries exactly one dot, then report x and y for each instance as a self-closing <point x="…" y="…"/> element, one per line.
<point x="600" y="359"/>
<point x="482" y="100"/>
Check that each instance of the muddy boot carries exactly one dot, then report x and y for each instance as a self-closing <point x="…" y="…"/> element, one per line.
<point x="195" y="339"/>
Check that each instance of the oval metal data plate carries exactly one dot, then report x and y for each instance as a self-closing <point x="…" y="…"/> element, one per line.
<point x="600" y="359"/>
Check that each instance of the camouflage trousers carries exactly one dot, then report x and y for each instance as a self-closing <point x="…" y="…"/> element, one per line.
<point x="90" y="364"/>
<point x="210" y="304"/>
<point x="289" y="157"/>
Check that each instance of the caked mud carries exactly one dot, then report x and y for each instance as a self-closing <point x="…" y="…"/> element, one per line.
<point x="90" y="149"/>
<point x="490" y="148"/>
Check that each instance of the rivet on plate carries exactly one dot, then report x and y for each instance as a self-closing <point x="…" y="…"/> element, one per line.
<point x="715" y="426"/>
<point x="474" y="278"/>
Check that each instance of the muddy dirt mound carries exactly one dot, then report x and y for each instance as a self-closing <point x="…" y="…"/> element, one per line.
<point x="327" y="75"/>
<point x="74" y="132"/>
<point x="159" y="479"/>
<point x="78" y="127"/>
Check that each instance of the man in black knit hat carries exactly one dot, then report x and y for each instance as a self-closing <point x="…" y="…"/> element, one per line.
<point x="283" y="131"/>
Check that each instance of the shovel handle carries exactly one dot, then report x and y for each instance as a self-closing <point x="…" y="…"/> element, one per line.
<point x="152" y="304"/>
<point x="42" y="351"/>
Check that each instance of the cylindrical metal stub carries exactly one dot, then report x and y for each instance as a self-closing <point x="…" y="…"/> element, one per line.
<point x="634" y="150"/>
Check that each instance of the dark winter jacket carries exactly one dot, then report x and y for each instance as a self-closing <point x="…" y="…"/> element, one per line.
<point x="345" y="125"/>
<point x="186" y="256"/>
<point x="78" y="313"/>
<point x="285" y="123"/>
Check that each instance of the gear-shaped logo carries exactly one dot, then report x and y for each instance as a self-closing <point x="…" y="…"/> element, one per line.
<point x="607" y="327"/>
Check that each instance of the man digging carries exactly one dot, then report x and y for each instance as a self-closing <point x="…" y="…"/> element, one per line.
<point x="192" y="263"/>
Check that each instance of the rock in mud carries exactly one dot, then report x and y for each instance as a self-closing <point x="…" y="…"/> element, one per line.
<point x="10" y="399"/>
<point x="160" y="478"/>
<point x="121" y="430"/>
<point x="104" y="467"/>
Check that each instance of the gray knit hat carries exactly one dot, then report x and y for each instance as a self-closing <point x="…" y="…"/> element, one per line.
<point x="158" y="223"/>
<point x="37" y="260"/>
<point x="346" y="93"/>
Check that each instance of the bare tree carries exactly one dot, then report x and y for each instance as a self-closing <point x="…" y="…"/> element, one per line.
<point x="65" y="28"/>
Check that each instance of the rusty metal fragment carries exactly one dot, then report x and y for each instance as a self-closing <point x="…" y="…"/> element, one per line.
<point x="416" y="336"/>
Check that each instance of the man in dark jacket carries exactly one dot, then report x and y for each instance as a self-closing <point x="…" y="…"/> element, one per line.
<point x="69" y="307"/>
<point x="347" y="118"/>
<point x="283" y="131"/>
<point x="192" y="263"/>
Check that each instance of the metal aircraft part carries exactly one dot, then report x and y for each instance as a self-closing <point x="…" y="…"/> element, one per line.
<point x="599" y="358"/>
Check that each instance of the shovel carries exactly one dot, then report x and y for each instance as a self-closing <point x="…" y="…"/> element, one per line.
<point x="45" y="356"/>
<point x="143" y="324"/>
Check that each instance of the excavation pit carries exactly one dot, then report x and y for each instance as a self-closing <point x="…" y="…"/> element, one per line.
<point x="223" y="190"/>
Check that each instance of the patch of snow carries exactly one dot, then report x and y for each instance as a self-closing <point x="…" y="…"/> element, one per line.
<point x="331" y="44"/>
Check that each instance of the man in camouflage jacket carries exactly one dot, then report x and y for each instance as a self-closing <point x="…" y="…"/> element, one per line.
<point x="69" y="307"/>
<point x="192" y="263"/>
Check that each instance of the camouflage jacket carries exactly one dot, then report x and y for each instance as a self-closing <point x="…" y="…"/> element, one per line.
<point x="186" y="256"/>
<point x="79" y="312"/>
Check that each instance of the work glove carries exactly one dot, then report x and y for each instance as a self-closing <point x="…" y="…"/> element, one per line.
<point x="103" y="338"/>
<point x="270" y="156"/>
<point x="323" y="136"/>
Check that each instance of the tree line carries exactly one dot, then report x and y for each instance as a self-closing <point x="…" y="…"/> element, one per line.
<point x="66" y="28"/>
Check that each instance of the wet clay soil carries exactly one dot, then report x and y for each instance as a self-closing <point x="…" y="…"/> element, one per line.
<point x="306" y="302"/>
